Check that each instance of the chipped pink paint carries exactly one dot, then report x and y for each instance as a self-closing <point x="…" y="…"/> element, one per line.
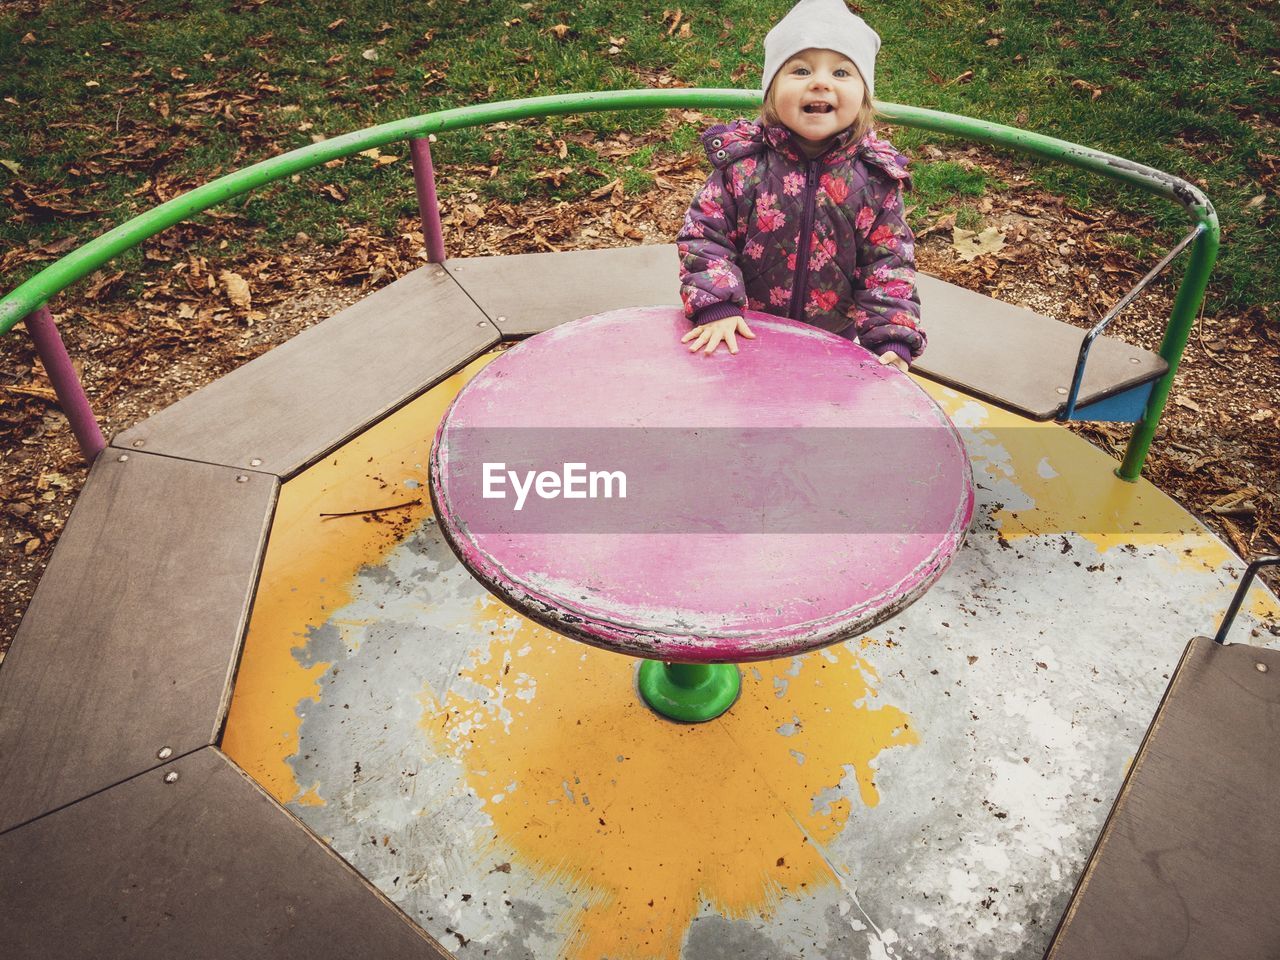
<point x="705" y="597"/>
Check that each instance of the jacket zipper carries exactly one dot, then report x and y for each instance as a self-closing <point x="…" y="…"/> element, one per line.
<point x="796" y="310"/>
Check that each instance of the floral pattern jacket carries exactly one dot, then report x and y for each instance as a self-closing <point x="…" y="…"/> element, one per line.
<point x="765" y="202"/>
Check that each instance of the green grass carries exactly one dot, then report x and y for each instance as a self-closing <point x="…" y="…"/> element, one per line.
<point x="1185" y="86"/>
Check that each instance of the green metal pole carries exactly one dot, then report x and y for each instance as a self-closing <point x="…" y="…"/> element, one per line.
<point x="37" y="290"/>
<point x="1204" y="251"/>
<point x="83" y="261"/>
<point x="689" y="692"/>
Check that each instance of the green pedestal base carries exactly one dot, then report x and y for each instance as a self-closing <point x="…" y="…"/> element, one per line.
<point x="689" y="692"/>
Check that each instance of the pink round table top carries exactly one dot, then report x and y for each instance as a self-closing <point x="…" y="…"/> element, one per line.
<point x="771" y="502"/>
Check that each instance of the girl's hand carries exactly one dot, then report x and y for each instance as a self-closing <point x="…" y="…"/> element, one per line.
<point x="891" y="359"/>
<point x="712" y="333"/>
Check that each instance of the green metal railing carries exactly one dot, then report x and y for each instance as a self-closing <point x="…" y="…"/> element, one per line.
<point x="31" y="297"/>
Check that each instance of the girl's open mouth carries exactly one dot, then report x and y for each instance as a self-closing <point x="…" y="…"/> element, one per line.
<point x="818" y="108"/>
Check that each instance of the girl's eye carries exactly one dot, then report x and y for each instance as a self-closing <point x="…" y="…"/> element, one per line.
<point x="801" y="70"/>
<point x="842" y="72"/>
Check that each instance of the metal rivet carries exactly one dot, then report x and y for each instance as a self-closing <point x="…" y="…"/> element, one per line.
<point x="1062" y="390"/>
<point x="165" y="753"/>
<point x="138" y="443"/>
<point x="502" y="320"/>
<point x="1261" y="667"/>
<point x="171" y="776"/>
<point x="255" y="462"/>
<point x="1134" y="360"/>
<point x="122" y="458"/>
<point x="482" y="323"/>
<point x="242" y="479"/>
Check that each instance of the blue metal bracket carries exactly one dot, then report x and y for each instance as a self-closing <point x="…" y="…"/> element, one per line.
<point x="1069" y="408"/>
<point x="1127" y="406"/>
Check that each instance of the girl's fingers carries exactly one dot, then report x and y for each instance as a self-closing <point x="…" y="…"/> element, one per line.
<point x="891" y="359"/>
<point x="744" y="329"/>
<point x="691" y="334"/>
<point x="714" y="342"/>
<point x="729" y="339"/>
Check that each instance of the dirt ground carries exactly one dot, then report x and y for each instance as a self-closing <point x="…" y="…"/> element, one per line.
<point x="1217" y="450"/>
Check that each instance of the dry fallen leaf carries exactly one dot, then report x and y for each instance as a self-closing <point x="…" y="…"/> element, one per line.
<point x="946" y="222"/>
<point x="969" y="245"/>
<point x="560" y="30"/>
<point x="1187" y="403"/>
<point x="370" y="54"/>
<point x="237" y="289"/>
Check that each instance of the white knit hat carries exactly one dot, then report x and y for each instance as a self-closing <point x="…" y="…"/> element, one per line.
<point x="823" y="25"/>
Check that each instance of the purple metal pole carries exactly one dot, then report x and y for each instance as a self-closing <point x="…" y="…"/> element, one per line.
<point x="53" y="354"/>
<point x="424" y="178"/>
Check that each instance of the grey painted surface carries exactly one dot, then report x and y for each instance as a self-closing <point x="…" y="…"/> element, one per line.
<point x="133" y="635"/>
<point x="1030" y="671"/>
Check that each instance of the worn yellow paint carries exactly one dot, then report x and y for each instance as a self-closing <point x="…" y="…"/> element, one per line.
<point x="309" y="571"/>
<point x="1074" y="489"/>
<point x="644" y="818"/>
<point x="1262" y="606"/>
<point x="311" y="798"/>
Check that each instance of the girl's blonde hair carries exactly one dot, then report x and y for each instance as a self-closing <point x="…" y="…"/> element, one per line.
<point x="862" y="124"/>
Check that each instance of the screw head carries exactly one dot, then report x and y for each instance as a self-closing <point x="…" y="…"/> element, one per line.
<point x="171" y="776"/>
<point x="138" y="443"/>
<point x="1134" y="360"/>
<point x="482" y="323"/>
<point x="242" y="479"/>
<point x="164" y="753"/>
<point x="1062" y="391"/>
<point x="122" y="458"/>
<point x="1261" y="667"/>
<point x="255" y="462"/>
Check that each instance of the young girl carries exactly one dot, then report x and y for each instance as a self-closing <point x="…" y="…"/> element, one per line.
<point x="802" y="215"/>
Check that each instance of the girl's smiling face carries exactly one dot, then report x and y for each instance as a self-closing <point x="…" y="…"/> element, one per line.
<point x="817" y="94"/>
